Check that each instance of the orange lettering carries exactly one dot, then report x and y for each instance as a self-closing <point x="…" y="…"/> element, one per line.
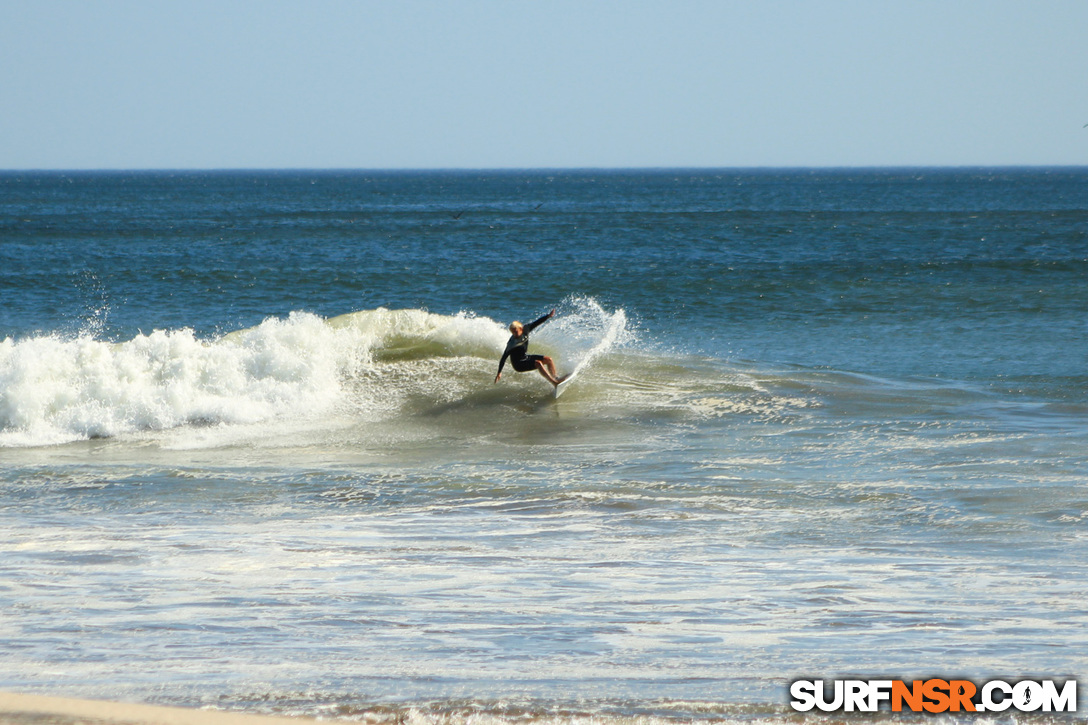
<point x="934" y="690"/>
<point x="913" y="696"/>
<point x="961" y="692"/>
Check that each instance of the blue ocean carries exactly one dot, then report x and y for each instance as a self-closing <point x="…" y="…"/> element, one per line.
<point x="827" y="423"/>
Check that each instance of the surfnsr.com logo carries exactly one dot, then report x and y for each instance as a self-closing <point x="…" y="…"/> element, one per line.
<point x="934" y="695"/>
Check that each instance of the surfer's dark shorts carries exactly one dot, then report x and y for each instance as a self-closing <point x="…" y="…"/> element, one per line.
<point x="527" y="363"/>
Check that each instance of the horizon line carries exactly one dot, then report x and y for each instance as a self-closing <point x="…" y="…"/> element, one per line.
<point x="524" y="169"/>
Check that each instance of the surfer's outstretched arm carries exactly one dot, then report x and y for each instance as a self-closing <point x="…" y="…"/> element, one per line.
<point x="536" y="323"/>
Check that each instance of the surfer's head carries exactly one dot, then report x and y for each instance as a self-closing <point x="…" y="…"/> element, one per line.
<point x="516" y="328"/>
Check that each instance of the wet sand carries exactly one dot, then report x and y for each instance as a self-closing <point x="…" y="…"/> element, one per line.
<point x="38" y="710"/>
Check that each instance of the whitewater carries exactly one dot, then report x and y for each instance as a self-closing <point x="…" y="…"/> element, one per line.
<point x="370" y="365"/>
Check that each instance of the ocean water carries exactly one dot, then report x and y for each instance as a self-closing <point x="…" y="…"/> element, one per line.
<point x="829" y="423"/>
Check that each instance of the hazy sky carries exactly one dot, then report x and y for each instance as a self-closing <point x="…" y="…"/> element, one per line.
<point x="537" y="83"/>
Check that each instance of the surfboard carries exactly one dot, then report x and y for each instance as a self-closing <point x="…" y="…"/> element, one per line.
<point x="564" y="382"/>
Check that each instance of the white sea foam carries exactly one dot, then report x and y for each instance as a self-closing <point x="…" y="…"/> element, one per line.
<point x="373" y="377"/>
<point x="283" y="374"/>
<point x="57" y="390"/>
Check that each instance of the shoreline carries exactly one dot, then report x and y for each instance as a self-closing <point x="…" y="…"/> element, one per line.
<point x="18" y="709"/>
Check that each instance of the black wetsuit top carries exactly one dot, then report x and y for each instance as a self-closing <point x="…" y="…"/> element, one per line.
<point x="517" y="348"/>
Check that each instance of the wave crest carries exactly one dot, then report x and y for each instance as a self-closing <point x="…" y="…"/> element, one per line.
<point x="57" y="390"/>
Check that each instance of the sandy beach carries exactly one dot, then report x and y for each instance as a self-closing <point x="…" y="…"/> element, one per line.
<point x="18" y="709"/>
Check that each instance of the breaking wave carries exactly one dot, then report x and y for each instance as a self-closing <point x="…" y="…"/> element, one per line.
<point x="370" y="363"/>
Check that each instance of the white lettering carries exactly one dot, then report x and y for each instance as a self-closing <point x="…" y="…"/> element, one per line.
<point x="821" y="701"/>
<point x="1027" y="696"/>
<point x="879" y="691"/>
<point x="856" y="696"/>
<point x="988" y="701"/>
<point x="804" y="695"/>
<point x="1065" y="701"/>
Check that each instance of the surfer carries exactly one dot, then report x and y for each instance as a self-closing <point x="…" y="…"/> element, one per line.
<point x="517" y="349"/>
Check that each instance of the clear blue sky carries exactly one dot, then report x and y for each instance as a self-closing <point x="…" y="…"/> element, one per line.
<point x="537" y="83"/>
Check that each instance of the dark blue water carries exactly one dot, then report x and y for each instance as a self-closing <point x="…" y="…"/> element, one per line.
<point x="961" y="273"/>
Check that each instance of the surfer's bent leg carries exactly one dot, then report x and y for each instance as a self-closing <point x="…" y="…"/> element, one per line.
<point x="547" y="368"/>
<point x="551" y="367"/>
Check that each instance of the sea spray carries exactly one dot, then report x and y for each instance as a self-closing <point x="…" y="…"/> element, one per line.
<point x="583" y="330"/>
